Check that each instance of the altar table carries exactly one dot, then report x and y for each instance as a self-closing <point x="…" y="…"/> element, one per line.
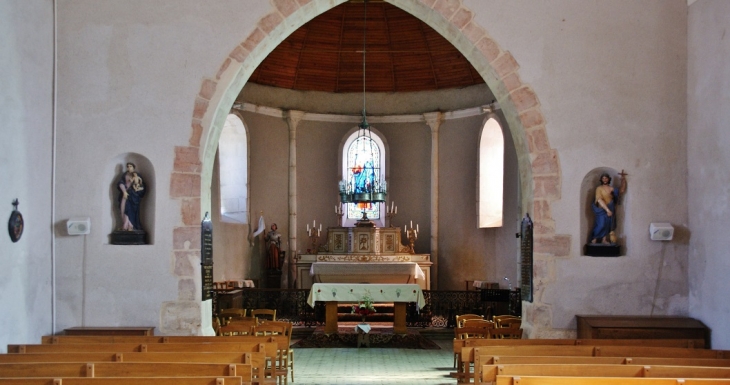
<point x="399" y="294"/>
<point x="371" y="272"/>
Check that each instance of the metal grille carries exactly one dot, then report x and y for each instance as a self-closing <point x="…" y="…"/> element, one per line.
<point x="440" y="310"/>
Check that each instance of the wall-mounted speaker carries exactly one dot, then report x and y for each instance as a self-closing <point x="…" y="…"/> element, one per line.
<point x="78" y="226"/>
<point x="661" y="231"/>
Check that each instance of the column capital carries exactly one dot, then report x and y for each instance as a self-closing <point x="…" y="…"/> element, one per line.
<point x="293" y="117"/>
<point x="434" y="120"/>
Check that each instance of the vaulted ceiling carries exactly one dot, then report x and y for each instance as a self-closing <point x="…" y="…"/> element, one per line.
<point x="403" y="54"/>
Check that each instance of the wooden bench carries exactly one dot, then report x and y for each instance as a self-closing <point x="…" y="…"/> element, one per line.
<point x="481" y="360"/>
<point x="546" y="380"/>
<point x="284" y="354"/>
<point x="257" y="360"/>
<point x="468" y="354"/>
<point x="123" y="381"/>
<point x="462" y="373"/>
<point x="125" y="369"/>
<point x="53" y="340"/>
<point x="490" y="372"/>
<point x="110" y="331"/>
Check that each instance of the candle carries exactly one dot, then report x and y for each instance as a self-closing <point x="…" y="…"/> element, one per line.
<point x="314" y="224"/>
<point x="336" y="212"/>
<point x="416" y="227"/>
<point x="411" y="225"/>
<point x="392" y="205"/>
<point x="396" y="210"/>
<point x="307" y="227"/>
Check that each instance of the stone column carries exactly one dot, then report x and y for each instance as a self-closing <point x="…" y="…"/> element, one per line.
<point x="292" y="119"/>
<point x="434" y="120"/>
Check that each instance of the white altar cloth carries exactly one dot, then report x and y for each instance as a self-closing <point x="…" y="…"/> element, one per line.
<point x="354" y="292"/>
<point x="374" y="270"/>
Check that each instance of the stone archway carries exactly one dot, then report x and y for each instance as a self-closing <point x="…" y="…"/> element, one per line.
<point x="540" y="174"/>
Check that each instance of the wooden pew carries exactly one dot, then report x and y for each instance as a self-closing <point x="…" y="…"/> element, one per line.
<point x="467" y="353"/>
<point x="546" y="380"/>
<point x="507" y="360"/>
<point x="257" y="360"/>
<point x="123" y="381"/>
<point x="490" y="372"/>
<point x="275" y="347"/>
<point x="481" y="360"/>
<point x="125" y="369"/>
<point x="459" y="344"/>
<point x="137" y="339"/>
<point x="157" y="347"/>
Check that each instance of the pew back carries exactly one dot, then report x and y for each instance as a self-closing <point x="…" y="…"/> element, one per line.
<point x="540" y="380"/>
<point x="123" y="381"/>
<point x="124" y="369"/>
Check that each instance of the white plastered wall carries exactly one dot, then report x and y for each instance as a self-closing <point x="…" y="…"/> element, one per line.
<point x="610" y="80"/>
<point x="708" y="96"/>
<point x="26" y="112"/>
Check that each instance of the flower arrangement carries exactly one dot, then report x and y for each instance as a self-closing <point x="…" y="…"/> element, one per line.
<point x="364" y="308"/>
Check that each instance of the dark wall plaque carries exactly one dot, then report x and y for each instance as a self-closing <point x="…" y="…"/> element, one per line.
<point x="526" y="261"/>
<point x="206" y="257"/>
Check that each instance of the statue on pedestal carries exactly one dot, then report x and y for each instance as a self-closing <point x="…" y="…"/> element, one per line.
<point x="273" y="248"/>
<point x="604" y="207"/>
<point x="131" y="191"/>
<point x="604" y="210"/>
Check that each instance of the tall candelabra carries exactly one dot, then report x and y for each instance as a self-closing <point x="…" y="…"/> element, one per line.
<point x="390" y="212"/>
<point x="412" y="235"/>
<point x="314" y="233"/>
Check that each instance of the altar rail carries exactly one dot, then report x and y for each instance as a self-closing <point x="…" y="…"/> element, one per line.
<point x="441" y="309"/>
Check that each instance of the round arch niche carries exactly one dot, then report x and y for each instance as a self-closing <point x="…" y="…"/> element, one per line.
<point x="113" y="171"/>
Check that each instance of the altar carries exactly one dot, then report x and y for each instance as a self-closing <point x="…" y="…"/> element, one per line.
<point x="363" y="255"/>
<point x="399" y="294"/>
<point x="372" y="272"/>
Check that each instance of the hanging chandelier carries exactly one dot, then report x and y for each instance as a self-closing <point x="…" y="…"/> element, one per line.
<point x="364" y="183"/>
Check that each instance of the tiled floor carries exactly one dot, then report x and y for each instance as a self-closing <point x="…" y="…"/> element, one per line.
<point x="369" y="366"/>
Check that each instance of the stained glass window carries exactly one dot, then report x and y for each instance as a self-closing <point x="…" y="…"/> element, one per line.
<point x="363" y="172"/>
<point x="363" y="166"/>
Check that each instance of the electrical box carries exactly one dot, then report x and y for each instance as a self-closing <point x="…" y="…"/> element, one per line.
<point x="661" y="231"/>
<point x="78" y="226"/>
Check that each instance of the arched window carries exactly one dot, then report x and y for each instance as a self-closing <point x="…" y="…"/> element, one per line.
<point x="233" y="159"/>
<point x="363" y="164"/>
<point x="491" y="174"/>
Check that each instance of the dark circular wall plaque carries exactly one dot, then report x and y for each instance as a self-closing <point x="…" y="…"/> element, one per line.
<point x="15" y="224"/>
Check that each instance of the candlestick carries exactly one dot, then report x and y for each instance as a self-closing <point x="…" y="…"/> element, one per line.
<point x="338" y="212"/>
<point x="390" y="213"/>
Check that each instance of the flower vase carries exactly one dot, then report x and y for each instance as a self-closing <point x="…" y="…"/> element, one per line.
<point x="363" y="319"/>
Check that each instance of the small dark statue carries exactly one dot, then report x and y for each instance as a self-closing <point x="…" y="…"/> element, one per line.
<point x="131" y="191"/>
<point x="273" y="243"/>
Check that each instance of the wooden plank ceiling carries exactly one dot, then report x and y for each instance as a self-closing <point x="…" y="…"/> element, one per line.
<point x="403" y="54"/>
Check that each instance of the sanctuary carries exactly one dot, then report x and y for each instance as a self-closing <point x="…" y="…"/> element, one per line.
<point x="363" y="255"/>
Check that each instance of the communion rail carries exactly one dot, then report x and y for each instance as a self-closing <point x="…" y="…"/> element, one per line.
<point x="441" y="309"/>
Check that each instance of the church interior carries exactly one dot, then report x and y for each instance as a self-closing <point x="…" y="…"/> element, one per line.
<point x="240" y="114"/>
